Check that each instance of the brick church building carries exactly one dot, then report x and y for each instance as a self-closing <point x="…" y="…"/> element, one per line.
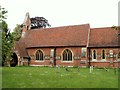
<point x="77" y="45"/>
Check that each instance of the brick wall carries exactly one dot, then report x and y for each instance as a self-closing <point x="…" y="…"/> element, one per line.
<point x="109" y="61"/>
<point x="76" y="60"/>
<point x="107" y="52"/>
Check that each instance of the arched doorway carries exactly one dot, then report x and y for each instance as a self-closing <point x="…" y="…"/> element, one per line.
<point x="14" y="60"/>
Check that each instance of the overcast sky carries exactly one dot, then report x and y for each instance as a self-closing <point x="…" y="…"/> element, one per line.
<point x="98" y="13"/>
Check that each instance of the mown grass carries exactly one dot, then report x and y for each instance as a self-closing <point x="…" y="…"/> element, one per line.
<point x="0" y="77"/>
<point x="49" y="77"/>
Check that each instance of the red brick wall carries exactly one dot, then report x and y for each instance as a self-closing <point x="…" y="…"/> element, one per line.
<point x="76" y="51"/>
<point x="108" y="60"/>
<point x="104" y="64"/>
<point x="99" y="52"/>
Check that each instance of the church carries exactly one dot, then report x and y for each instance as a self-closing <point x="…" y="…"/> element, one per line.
<point x="75" y="45"/>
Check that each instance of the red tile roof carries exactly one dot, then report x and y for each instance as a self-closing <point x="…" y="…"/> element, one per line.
<point x="78" y="35"/>
<point x="61" y="36"/>
<point x="103" y="37"/>
<point x="20" y="47"/>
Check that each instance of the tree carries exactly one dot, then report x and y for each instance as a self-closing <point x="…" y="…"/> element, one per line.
<point x="2" y="14"/>
<point x="39" y="22"/>
<point x="0" y="44"/>
<point x="17" y="32"/>
<point x="7" y="43"/>
<point x="7" y="38"/>
<point x="116" y="27"/>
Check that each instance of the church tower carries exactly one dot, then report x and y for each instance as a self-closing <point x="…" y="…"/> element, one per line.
<point x="26" y="24"/>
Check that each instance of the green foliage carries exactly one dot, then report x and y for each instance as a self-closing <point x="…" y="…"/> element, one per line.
<point x="115" y="27"/>
<point x="0" y="48"/>
<point x="2" y="14"/>
<point x="7" y="38"/>
<point x="48" y="77"/>
<point x="17" y="32"/>
<point x="7" y="42"/>
<point x="39" y="22"/>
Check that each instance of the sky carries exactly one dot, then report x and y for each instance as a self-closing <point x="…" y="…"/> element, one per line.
<point x="97" y="13"/>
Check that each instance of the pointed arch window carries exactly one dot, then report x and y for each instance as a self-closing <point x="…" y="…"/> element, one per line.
<point x="39" y="55"/>
<point x="94" y="54"/>
<point x="103" y="54"/>
<point x="67" y="55"/>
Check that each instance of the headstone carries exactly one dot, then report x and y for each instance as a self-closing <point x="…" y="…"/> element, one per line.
<point x="78" y="68"/>
<point x="115" y="71"/>
<point x="91" y="69"/>
<point x="58" y="68"/>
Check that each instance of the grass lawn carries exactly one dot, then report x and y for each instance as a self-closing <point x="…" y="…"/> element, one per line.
<point x="49" y="77"/>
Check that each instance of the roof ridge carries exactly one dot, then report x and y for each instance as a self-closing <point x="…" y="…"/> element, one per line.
<point x="63" y="26"/>
<point x="102" y="28"/>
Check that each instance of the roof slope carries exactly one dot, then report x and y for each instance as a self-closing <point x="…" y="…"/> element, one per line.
<point x="20" y="47"/>
<point x="60" y="36"/>
<point x="103" y="37"/>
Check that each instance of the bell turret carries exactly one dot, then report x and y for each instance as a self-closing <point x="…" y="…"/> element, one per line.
<point x="26" y="24"/>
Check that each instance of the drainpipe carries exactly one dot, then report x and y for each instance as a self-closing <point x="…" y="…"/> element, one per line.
<point x="89" y="56"/>
<point x="54" y="58"/>
<point x="29" y="58"/>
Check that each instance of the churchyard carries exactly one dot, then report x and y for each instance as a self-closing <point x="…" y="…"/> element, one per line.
<point x="58" y="77"/>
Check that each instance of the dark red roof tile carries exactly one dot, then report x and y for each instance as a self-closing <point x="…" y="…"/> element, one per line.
<point x="67" y="36"/>
<point x="60" y="36"/>
<point x="103" y="37"/>
<point x="20" y="47"/>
